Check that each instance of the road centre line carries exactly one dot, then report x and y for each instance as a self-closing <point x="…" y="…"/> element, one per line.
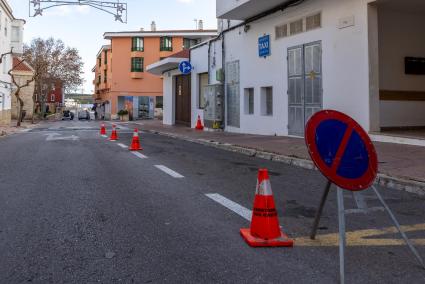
<point x="233" y="206"/>
<point x="122" y="145"/>
<point x="139" y="155"/>
<point x="169" y="171"/>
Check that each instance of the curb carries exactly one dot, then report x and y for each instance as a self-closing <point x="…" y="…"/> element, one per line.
<point x="398" y="183"/>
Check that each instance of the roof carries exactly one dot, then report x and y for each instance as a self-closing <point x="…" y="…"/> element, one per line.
<point x="104" y="47"/>
<point x="185" y="53"/>
<point x="109" y="35"/>
<point x="21" y="66"/>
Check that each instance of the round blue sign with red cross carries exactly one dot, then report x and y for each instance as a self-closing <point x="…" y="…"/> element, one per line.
<point x="341" y="150"/>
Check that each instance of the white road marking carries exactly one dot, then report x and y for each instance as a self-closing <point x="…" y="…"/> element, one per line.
<point x="104" y="136"/>
<point x="26" y="130"/>
<point x="140" y="155"/>
<point x="122" y="145"/>
<point x="229" y="204"/>
<point x="169" y="171"/>
<point x="54" y="137"/>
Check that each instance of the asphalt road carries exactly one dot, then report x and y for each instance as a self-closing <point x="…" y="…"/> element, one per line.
<point x="77" y="208"/>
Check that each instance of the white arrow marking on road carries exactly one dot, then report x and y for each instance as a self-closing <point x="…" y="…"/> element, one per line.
<point x="122" y="145"/>
<point x="229" y="204"/>
<point x="104" y="136"/>
<point x="53" y="137"/>
<point x="140" y="155"/>
<point x="169" y="171"/>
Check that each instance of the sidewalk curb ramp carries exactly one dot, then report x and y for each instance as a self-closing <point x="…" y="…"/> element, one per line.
<point x="393" y="182"/>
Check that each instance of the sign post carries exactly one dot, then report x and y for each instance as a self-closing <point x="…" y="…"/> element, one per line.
<point x="344" y="153"/>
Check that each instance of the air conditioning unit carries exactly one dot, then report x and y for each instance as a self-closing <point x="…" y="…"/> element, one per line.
<point x="214" y="106"/>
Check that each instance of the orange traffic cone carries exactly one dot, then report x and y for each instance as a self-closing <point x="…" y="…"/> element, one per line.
<point x="265" y="230"/>
<point x="114" y="135"/>
<point x="103" y="129"/>
<point x="199" y="125"/>
<point x="135" y="143"/>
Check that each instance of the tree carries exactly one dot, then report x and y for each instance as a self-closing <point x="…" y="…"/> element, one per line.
<point x="52" y="61"/>
<point x="19" y="87"/>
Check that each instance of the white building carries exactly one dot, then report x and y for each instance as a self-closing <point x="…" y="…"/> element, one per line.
<point x="362" y="57"/>
<point x="11" y="38"/>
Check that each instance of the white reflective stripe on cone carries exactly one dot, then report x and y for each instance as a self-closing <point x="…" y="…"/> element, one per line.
<point x="264" y="188"/>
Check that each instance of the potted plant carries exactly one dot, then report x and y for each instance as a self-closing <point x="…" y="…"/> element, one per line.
<point x="123" y="114"/>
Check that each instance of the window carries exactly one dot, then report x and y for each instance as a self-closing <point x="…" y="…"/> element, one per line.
<point x="99" y="61"/>
<point x="137" y="44"/>
<point x="296" y="27"/>
<point x="105" y="59"/>
<point x="137" y="64"/>
<point x="5" y="27"/>
<point x="166" y="44"/>
<point x="267" y="101"/>
<point x="249" y="100"/>
<point x="313" y="22"/>
<point x="105" y="76"/>
<point x="203" y="82"/>
<point x="281" y="31"/>
<point x="15" y="34"/>
<point x="188" y="43"/>
<point x="99" y="79"/>
<point x="52" y="98"/>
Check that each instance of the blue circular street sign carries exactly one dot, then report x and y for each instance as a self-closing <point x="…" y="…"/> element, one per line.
<point x="185" y="67"/>
<point x="341" y="150"/>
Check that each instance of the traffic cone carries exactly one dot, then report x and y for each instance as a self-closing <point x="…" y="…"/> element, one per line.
<point x="265" y="230"/>
<point x="135" y="143"/>
<point x="114" y="135"/>
<point x="103" y="129"/>
<point x="199" y="125"/>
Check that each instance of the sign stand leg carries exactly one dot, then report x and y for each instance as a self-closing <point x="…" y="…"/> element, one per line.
<point x="408" y="242"/>
<point x="342" y="241"/>
<point x="320" y="210"/>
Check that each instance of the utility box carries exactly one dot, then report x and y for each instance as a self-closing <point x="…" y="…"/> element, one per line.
<point x="214" y="106"/>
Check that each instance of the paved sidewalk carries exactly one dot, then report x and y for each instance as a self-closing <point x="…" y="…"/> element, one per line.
<point x="12" y="129"/>
<point x="400" y="166"/>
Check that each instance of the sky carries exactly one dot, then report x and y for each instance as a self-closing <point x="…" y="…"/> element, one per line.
<point x="82" y="27"/>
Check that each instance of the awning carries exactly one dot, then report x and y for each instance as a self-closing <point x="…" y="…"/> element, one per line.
<point x="164" y="65"/>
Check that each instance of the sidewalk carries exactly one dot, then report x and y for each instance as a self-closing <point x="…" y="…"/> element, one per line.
<point x="12" y="129"/>
<point x="400" y="166"/>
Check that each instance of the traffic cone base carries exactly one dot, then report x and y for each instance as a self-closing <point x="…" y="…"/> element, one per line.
<point x="282" y="241"/>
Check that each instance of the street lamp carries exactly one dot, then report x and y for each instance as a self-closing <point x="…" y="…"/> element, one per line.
<point x="117" y="9"/>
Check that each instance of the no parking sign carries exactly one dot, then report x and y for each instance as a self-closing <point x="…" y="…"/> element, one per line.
<point x="341" y="150"/>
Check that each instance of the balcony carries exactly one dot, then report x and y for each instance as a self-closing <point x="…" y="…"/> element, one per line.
<point x="244" y="9"/>
<point x="136" y="75"/>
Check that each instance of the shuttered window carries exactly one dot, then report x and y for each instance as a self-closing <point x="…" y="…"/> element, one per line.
<point x="166" y="43"/>
<point x="137" y="44"/>
<point x="137" y="64"/>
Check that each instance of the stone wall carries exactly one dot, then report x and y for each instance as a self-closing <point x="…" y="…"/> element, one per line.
<point x="5" y="117"/>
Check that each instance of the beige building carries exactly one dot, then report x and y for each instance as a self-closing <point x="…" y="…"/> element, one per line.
<point x="23" y="72"/>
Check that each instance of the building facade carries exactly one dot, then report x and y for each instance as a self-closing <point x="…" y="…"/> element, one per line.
<point x="121" y="81"/>
<point x="280" y="61"/>
<point x="11" y="39"/>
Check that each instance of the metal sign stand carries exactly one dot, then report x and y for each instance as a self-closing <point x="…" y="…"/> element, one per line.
<point x="362" y="208"/>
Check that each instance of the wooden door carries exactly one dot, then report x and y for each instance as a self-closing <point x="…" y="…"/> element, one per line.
<point x="183" y="99"/>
